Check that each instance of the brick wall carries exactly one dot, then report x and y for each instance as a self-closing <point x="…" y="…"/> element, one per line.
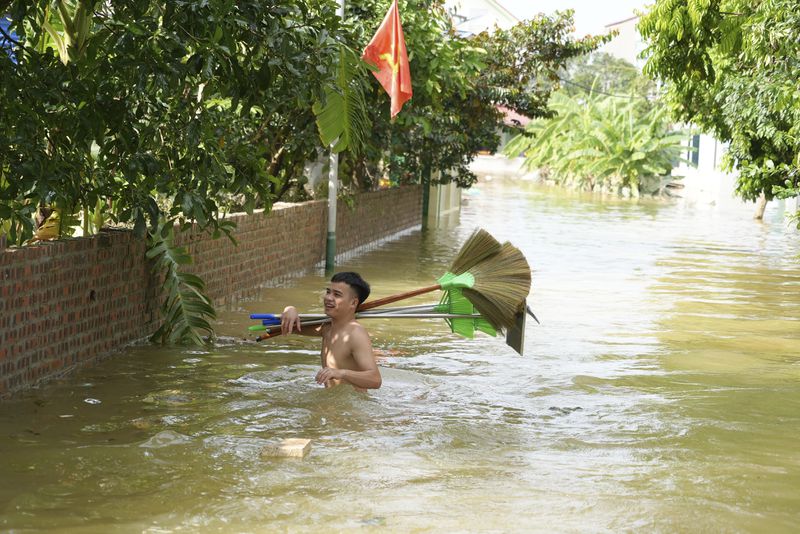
<point x="70" y="302"/>
<point x="290" y="239"/>
<point x="387" y="212"/>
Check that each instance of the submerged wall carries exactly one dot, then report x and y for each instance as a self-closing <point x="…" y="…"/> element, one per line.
<point x="71" y="302"/>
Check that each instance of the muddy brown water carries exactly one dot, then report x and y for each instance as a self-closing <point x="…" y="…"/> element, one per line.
<point x="660" y="393"/>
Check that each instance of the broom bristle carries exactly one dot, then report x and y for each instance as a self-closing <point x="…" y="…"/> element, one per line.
<point x="478" y="247"/>
<point x="502" y="282"/>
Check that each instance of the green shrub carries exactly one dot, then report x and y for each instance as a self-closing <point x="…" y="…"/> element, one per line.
<point x="602" y="143"/>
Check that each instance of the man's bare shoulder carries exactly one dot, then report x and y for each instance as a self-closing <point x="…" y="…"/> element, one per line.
<point x="355" y="328"/>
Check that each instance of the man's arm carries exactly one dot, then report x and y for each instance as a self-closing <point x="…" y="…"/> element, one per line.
<point x="367" y="376"/>
<point x="290" y="320"/>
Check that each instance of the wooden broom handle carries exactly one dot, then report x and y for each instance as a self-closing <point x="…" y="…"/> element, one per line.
<point x="373" y="304"/>
<point x="399" y="296"/>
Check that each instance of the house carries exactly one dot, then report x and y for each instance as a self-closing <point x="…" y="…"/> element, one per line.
<point x="627" y="44"/>
<point x="471" y="17"/>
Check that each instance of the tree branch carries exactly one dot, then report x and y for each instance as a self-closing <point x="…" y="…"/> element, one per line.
<point x="10" y="39"/>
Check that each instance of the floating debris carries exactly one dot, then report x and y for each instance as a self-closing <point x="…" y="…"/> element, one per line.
<point x="291" y="447"/>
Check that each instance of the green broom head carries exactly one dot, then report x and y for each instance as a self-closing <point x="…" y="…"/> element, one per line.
<point x="453" y="301"/>
<point x="478" y="246"/>
<point x="456" y="281"/>
<point x="502" y="282"/>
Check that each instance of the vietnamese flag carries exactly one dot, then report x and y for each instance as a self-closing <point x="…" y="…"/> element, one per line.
<point x="387" y="51"/>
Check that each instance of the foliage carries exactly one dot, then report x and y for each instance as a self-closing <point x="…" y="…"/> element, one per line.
<point x="458" y="83"/>
<point x="185" y="308"/>
<point x="602" y="143"/>
<point x="344" y="99"/>
<point x="177" y="111"/>
<point x="129" y="110"/>
<point x="171" y="108"/>
<point x="730" y="66"/>
<point x="603" y="73"/>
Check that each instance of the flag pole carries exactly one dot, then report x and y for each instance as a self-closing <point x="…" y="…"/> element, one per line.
<point x="333" y="186"/>
<point x="333" y="189"/>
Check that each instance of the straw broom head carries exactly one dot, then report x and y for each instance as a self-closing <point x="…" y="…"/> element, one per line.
<point x="502" y="282"/>
<point x="478" y="247"/>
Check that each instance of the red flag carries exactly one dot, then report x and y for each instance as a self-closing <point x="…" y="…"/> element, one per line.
<point x="387" y="51"/>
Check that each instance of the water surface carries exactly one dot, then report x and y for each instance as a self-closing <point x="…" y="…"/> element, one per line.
<point x="660" y="393"/>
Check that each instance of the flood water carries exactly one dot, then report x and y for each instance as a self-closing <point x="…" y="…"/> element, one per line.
<point x="661" y="393"/>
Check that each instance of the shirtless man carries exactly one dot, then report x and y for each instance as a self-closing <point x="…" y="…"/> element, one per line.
<point x="346" y="349"/>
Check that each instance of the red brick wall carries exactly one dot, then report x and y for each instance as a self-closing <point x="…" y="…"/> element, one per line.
<point x="66" y="303"/>
<point x="290" y="239"/>
<point x="387" y="212"/>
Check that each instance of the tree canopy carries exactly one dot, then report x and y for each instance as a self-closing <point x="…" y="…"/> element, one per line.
<point x="135" y="109"/>
<point x="730" y="66"/>
<point x="149" y="108"/>
<point x="458" y="85"/>
<point x="600" y="72"/>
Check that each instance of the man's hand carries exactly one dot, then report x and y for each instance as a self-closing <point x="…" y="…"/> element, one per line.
<point x="290" y="319"/>
<point x="329" y="373"/>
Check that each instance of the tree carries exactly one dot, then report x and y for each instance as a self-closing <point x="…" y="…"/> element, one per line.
<point x="730" y="66"/>
<point x="162" y="108"/>
<point x="149" y="113"/>
<point x="603" y="73"/>
<point x="458" y="84"/>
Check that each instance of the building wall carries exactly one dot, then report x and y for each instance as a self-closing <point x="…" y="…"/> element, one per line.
<point x="71" y="302"/>
<point x="471" y="17"/>
<point x="627" y="44"/>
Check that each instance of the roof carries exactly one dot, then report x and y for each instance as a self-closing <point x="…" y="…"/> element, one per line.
<point x="512" y="118"/>
<point x="622" y="21"/>
<point x="501" y="7"/>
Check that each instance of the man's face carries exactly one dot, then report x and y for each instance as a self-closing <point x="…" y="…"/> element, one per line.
<point x="339" y="299"/>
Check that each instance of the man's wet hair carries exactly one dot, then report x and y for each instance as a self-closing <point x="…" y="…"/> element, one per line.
<point x="354" y="280"/>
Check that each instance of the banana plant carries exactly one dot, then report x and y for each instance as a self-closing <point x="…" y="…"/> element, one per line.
<point x="186" y="309"/>
<point x="342" y="117"/>
<point x="69" y="32"/>
<point x="599" y="142"/>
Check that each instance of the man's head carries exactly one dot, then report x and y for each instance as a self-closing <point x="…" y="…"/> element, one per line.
<point x="346" y="292"/>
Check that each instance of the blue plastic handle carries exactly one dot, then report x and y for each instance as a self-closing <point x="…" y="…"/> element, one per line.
<point x="264" y="316"/>
<point x="270" y="322"/>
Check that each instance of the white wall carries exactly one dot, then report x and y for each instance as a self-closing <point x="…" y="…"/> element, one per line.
<point x="474" y="16"/>
<point x="627" y="44"/>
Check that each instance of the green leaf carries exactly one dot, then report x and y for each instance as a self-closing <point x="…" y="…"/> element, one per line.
<point x="186" y="308"/>
<point x="342" y="120"/>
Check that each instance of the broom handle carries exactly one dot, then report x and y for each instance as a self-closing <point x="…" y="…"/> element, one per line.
<point x="375" y="303"/>
<point x="270" y="333"/>
<point x="398" y="296"/>
<point x="276" y="333"/>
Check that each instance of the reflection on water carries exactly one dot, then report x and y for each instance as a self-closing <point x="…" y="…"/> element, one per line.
<point x="660" y="393"/>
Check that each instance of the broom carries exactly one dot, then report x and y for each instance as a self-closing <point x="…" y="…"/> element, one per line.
<point x="472" y="271"/>
<point x="478" y="247"/>
<point x="502" y="283"/>
<point x="501" y="280"/>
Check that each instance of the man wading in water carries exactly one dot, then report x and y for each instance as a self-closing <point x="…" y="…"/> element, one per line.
<point x="346" y="349"/>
